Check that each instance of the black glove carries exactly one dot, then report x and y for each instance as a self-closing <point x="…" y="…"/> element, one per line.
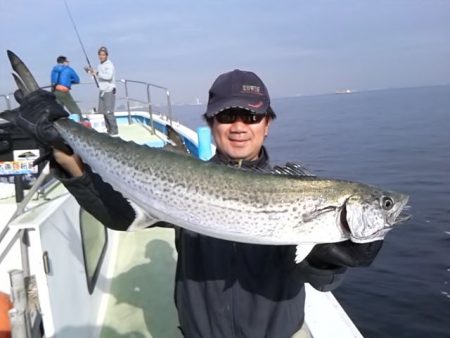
<point x="347" y="254"/>
<point x="35" y="115"/>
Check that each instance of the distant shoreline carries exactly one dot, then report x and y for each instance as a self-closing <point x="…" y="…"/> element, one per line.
<point x="359" y="91"/>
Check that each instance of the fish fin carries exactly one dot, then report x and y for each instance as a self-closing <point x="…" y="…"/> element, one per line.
<point x="28" y="82"/>
<point x="19" y="83"/>
<point x="309" y="217"/>
<point x="176" y="142"/>
<point x="302" y="251"/>
<point x="24" y="80"/>
<point x="292" y="169"/>
<point x="142" y="220"/>
<point x="289" y="169"/>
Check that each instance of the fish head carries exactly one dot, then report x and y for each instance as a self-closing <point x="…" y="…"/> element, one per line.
<point x="369" y="216"/>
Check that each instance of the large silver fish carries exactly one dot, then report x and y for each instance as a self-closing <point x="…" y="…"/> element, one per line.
<point x="233" y="204"/>
<point x="236" y="205"/>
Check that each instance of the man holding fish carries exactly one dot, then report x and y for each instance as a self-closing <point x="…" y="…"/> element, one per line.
<point x="231" y="285"/>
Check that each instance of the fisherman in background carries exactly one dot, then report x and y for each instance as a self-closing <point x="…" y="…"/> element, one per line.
<point x="222" y="288"/>
<point x="105" y="75"/>
<point x="62" y="78"/>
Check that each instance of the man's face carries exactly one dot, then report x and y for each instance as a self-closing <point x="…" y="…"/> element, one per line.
<point x="102" y="56"/>
<point x="239" y="140"/>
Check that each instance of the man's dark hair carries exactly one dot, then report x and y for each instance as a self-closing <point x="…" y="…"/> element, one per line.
<point x="61" y="59"/>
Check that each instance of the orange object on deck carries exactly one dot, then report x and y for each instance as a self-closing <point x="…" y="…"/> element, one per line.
<point x="86" y="123"/>
<point x="5" y="306"/>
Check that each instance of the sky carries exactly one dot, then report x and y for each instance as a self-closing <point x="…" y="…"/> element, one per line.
<point x="298" y="47"/>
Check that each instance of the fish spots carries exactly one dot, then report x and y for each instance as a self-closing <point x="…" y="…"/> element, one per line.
<point x="228" y="204"/>
<point x="179" y="185"/>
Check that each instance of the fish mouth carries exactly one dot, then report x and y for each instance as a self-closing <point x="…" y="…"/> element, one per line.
<point x="401" y="217"/>
<point x="404" y="215"/>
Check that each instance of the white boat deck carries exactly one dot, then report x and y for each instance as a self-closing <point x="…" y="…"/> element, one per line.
<point x="140" y="298"/>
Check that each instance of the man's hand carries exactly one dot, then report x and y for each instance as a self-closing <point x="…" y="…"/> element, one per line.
<point x="36" y="114"/>
<point x="347" y="254"/>
<point x="90" y="70"/>
<point x="72" y="164"/>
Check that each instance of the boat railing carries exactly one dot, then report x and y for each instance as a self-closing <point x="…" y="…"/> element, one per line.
<point x="137" y="95"/>
<point x="7" y="98"/>
<point x="84" y="97"/>
<point x="148" y="103"/>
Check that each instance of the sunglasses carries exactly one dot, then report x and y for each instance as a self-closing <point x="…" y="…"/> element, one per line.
<point x="227" y="117"/>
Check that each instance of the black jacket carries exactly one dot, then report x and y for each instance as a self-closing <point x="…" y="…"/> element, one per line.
<point x="222" y="288"/>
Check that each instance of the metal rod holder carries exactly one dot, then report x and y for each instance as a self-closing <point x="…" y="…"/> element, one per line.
<point x="20" y="321"/>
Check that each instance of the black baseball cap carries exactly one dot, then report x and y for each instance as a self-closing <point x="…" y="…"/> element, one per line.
<point x="238" y="89"/>
<point x="61" y="59"/>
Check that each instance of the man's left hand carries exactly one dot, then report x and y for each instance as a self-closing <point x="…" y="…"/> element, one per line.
<point x="346" y="254"/>
<point x="36" y="114"/>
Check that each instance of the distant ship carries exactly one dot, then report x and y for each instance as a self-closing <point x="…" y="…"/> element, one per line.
<point x="344" y="91"/>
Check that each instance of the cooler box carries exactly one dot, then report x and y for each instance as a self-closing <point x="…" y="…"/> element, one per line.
<point x="97" y="122"/>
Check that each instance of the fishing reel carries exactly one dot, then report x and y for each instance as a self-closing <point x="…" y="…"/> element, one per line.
<point x="89" y="70"/>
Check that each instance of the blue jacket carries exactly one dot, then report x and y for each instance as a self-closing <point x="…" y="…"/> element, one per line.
<point x="64" y="75"/>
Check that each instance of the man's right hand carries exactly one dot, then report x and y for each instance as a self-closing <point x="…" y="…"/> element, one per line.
<point x="89" y="70"/>
<point x="36" y="114"/>
<point x="346" y="253"/>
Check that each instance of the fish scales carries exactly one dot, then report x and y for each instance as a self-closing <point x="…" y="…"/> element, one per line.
<point x="233" y="204"/>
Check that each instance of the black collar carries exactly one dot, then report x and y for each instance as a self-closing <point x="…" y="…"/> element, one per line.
<point x="261" y="162"/>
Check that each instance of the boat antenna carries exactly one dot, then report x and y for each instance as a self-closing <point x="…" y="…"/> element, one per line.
<point x="79" y="39"/>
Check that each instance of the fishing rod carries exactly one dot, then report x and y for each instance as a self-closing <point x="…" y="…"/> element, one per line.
<point x="79" y="39"/>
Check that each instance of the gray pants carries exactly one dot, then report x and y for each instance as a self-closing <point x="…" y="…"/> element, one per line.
<point x="106" y="105"/>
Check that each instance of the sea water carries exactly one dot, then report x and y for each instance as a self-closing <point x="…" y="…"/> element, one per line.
<point x="398" y="139"/>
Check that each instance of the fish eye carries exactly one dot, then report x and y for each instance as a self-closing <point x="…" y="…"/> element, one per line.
<point x="387" y="203"/>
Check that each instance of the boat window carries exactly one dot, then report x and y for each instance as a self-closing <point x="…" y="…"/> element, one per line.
<point x="94" y="238"/>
